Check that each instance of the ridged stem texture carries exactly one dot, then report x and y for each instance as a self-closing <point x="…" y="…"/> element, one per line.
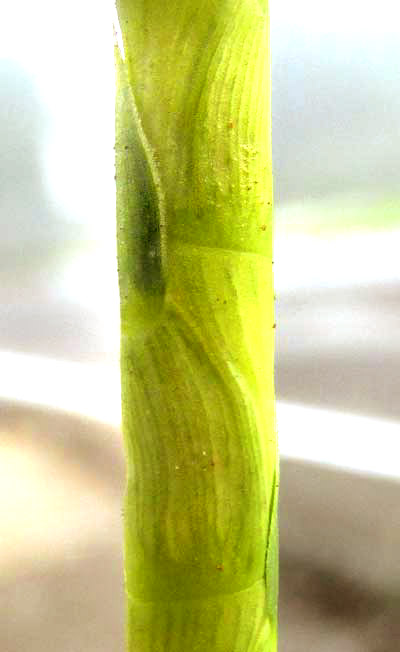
<point x="194" y="207"/>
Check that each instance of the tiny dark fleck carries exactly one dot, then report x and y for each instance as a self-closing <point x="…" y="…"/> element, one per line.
<point x="263" y="227"/>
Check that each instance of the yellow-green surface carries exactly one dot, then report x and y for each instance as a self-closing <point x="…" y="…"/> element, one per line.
<point x="194" y="195"/>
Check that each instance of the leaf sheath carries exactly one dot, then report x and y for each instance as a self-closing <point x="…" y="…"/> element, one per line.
<point x="194" y="207"/>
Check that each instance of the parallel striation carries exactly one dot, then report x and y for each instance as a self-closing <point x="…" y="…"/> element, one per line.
<point x="194" y="196"/>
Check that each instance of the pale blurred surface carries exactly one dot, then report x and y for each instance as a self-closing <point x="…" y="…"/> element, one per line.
<point x="61" y="580"/>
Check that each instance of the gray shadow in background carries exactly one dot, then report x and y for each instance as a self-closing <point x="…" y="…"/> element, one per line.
<point x="336" y="131"/>
<point x="335" y="113"/>
<point x="329" y="358"/>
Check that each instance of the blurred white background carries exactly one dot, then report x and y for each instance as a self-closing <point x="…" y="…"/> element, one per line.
<point x="58" y="270"/>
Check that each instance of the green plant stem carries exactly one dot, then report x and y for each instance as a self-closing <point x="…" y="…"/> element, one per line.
<point x="194" y="207"/>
